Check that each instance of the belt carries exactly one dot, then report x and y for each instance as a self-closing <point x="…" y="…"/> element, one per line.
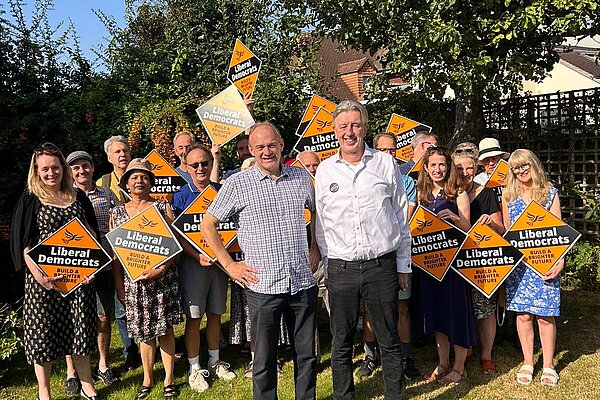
<point x="362" y="263"/>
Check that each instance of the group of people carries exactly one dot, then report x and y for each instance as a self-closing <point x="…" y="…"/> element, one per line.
<point x="361" y="202"/>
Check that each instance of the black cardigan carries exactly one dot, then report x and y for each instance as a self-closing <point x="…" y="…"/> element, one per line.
<point x="23" y="230"/>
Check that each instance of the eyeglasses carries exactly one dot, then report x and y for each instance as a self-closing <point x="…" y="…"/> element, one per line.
<point x="197" y="164"/>
<point x="521" y="168"/>
<point x="46" y="148"/>
<point x="459" y="151"/>
<point x="391" y="151"/>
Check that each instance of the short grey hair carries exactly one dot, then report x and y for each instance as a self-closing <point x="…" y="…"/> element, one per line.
<point x="352" y="105"/>
<point x="306" y="152"/>
<point x="388" y="135"/>
<point x="188" y="133"/>
<point x="264" y="124"/>
<point x="113" y="139"/>
<point x="420" y="137"/>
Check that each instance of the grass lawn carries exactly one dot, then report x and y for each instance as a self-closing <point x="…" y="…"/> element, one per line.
<point x="577" y="359"/>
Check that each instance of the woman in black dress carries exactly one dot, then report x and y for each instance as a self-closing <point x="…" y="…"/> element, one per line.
<point x="54" y="326"/>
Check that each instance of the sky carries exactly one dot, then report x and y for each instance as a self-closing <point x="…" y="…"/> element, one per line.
<point x="89" y="28"/>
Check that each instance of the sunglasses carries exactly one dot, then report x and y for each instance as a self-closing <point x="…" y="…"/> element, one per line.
<point x="459" y="151"/>
<point x="47" y="148"/>
<point x="197" y="164"/>
<point x="521" y="168"/>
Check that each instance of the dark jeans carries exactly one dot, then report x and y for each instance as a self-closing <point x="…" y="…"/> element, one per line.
<point x="130" y="349"/>
<point x="299" y="313"/>
<point x="376" y="282"/>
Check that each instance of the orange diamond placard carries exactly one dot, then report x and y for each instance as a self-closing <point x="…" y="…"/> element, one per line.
<point x="188" y="224"/>
<point x="243" y="68"/>
<point x="434" y="242"/>
<point x="486" y="259"/>
<point x="405" y="129"/>
<point x="315" y="103"/>
<point x="499" y="177"/>
<point x="225" y="116"/>
<point x="319" y="136"/>
<point x="300" y="164"/>
<point x="71" y="252"/>
<point x="144" y="242"/>
<point x="168" y="180"/>
<point x="542" y="237"/>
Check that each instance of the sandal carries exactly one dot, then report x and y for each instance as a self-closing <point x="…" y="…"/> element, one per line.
<point x="549" y="377"/>
<point x="144" y="392"/>
<point x="446" y="380"/>
<point x="438" y="372"/>
<point x="170" y="392"/>
<point x="488" y="366"/>
<point x="525" y="375"/>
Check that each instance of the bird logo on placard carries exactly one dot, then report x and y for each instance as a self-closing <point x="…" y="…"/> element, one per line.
<point x="315" y="107"/>
<point x="206" y="203"/>
<point x="398" y="126"/>
<point x="322" y="125"/>
<point x="147" y="222"/>
<point x="238" y="54"/>
<point x="422" y="224"/>
<point x="481" y="238"/>
<point x="70" y="237"/>
<point x="155" y="167"/>
<point x="534" y="218"/>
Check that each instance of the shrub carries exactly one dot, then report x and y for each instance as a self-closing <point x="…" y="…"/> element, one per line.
<point x="582" y="267"/>
<point x="10" y="323"/>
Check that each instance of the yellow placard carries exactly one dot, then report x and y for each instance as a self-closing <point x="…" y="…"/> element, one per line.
<point x="405" y="129"/>
<point x="315" y="103"/>
<point x="168" y="180"/>
<point x="486" y="259"/>
<point x="243" y="68"/>
<point x="414" y="171"/>
<point x="300" y="164"/>
<point x="499" y="177"/>
<point x="188" y="224"/>
<point x="542" y="237"/>
<point x="434" y="242"/>
<point x="319" y="136"/>
<point x="143" y="242"/>
<point x="71" y="252"/>
<point x="225" y="116"/>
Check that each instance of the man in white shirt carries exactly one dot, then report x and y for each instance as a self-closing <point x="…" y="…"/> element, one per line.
<point x="364" y="238"/>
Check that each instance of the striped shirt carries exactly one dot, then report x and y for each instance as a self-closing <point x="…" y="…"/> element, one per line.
<point x="269" y="215"/>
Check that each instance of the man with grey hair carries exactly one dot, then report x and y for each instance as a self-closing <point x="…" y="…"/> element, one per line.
<point x="267" y="202"/>
<point x="310" y="159"/>
<point x="363" y="234"/>
<point x="419" y="143"/>
<point x="119" y="154"/>
<point x="181" y="142"/>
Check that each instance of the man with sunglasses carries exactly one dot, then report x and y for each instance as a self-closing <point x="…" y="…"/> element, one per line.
<point x="203" y="284"/>
<point x="419" y="143"/>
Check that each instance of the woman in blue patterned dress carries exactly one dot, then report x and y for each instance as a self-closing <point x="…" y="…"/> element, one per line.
<point x="527" y="294"/>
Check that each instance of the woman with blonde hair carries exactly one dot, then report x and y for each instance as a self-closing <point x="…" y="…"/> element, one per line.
<point x="54" y="326"/>
<point x="527" y="294"/>
<point x="445" y="307"/>
<point x="484" y="208"/>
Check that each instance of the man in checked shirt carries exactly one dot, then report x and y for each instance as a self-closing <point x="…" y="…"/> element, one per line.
<point x="267" y="204"/>
<point x="363" y="234"/>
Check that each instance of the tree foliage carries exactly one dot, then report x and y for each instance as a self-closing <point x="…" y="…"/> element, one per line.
<point x="481" y="49"/>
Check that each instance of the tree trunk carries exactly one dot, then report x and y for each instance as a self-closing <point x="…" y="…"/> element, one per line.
<point x="469" y="124"/>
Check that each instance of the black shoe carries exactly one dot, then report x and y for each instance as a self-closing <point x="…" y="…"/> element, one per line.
<point x="84" y="396"/>
<point x="132" y="361"/>
<point x="72" y="386"/>
<point x="410" y="371"/>
<point x="367" y="366"/>
<point x="107" y="377"/>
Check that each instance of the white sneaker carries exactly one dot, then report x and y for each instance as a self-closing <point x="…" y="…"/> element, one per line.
<point x="196" y="379"/>
<point x="221" y="370"/>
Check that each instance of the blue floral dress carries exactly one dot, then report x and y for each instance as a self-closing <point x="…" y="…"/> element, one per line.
<point x="525" y="291"/>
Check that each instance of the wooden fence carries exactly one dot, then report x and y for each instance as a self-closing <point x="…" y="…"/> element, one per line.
<point x="563" y="129"/>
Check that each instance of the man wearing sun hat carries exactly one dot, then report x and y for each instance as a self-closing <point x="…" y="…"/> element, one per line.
<point x="490" y="155"/>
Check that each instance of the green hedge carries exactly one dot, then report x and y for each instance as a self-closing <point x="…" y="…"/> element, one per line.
<point x="582" y="267"/>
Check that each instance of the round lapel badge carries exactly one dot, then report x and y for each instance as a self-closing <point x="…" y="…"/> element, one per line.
<point x="334" y="187"/>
